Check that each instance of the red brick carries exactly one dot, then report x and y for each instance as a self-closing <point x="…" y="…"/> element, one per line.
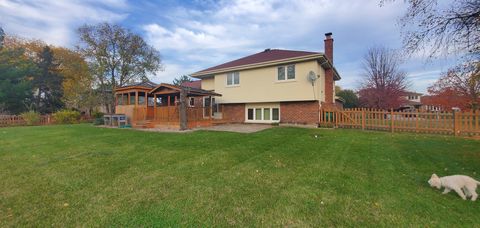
<point x="299" y="112"/>
<point x="233" y="113"/>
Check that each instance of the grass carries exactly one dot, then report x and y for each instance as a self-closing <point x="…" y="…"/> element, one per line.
<point x="79" y="175"/>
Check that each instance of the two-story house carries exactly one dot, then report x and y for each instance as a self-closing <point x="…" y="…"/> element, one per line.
<point x="273" y="86"/>
<point x="411" y="101"/>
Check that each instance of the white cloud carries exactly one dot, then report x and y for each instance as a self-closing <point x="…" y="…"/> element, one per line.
<point x="233" y="29"/>
<point x="206" y="33"/>
<point x="170" y="72"/>
<point x="55" y="21"/>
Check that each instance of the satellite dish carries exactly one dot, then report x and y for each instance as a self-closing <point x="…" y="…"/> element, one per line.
<point x="312" y="77"/>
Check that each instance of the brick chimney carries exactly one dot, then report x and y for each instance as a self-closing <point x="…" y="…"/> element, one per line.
<point x="329" y="82"/>
<point x="329" y="46"/>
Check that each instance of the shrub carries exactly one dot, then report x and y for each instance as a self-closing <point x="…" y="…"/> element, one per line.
<point x="31" y="117"/>
<point x="98" y="115"/>
<point x="66" y="117"/>
<point x="98" y="121"/>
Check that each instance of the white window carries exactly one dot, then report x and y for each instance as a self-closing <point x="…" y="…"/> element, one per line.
<point x="191" y="102"/>
<point x="286" y="73"/>
<point x="233" y="79"/>
<point x="265" y="115"/>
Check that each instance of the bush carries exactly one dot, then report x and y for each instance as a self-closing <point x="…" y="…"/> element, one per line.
<point x="98" y="121"/>
<point x="31" y="117"/>
<point x="66" y="117"/>
<point x="98" y="115"/>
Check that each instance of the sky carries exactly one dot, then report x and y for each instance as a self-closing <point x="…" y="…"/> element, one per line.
<point x="194" y="35"/>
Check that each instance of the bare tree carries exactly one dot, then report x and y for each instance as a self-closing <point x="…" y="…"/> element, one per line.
<point x="383" y="83"/>
<point x="117" y="57"/>
<point x="441" y="27"/>
<point x="461" y="81"/>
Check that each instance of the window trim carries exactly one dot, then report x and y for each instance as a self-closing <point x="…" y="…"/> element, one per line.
<point x="286" y="73"/>
<point x="233" y="79"/>
<point x="262" y="113"/>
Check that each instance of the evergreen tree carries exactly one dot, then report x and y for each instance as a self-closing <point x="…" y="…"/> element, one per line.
<point x="351" y="99"/>
<point x="47" y="83"/>
<point x="180" y="80"/>
<point x="15" y="86"/>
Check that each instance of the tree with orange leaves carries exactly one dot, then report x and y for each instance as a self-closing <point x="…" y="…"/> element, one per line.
<point x="77" y="81"/>
<point x="458" y="87"/>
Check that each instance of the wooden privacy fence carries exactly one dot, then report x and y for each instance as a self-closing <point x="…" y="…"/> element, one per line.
<point x="455" y="123"/>
<point x="15" y="120"/>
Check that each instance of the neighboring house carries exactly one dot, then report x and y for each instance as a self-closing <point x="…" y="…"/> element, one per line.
<point x="412" y="101"/>
<point x="417" y="101"/>
<point x="427" y="104"/>
<point x="273" y="86"/>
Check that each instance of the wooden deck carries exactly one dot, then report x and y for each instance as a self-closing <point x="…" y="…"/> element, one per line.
<point x="169" y="117"/>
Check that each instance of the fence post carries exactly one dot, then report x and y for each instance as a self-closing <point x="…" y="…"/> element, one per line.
<point x="363" y="119"/>
<point x="392" y="119"/>
<point x="455" y="123"/>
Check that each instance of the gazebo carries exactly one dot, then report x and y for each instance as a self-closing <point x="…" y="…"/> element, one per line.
<point x="150" y="105"/>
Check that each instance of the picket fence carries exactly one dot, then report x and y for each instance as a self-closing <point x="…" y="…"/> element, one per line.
<point x="454" y="123"/>
<point x="16" y="120"/>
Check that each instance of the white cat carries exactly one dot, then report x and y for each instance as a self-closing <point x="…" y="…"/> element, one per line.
<point x="456" y="183"/>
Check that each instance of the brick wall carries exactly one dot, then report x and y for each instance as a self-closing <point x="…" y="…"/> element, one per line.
<point x="233" y="113"/>
<point x="299" y="112"/>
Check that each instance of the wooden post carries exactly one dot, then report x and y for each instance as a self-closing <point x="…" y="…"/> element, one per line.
<point x="416" y="121"/>
<point x="136" y="98"/>
<point x="455" y="123"/>
<point x="168" y="109"/>
<point x="183" y="109"/>
<point x="146" y="107"/>
<point x="392" y="120"/>
<point x="475" y="113"/>
<point x="363" y="119"/>
<point x="154" y="106"/>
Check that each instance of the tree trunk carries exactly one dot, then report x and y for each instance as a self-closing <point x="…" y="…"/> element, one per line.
<point x="111" y="102"/>
<point x="183" y="109"/>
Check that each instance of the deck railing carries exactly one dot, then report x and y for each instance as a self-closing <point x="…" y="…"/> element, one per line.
<point x="170" y="115"/>
<point x="455" y="123"/>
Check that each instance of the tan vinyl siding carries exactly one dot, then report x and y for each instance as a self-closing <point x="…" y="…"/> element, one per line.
<point x="261" y="85"/>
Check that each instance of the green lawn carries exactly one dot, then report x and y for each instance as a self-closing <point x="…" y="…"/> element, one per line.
<point x="80" y="175"/>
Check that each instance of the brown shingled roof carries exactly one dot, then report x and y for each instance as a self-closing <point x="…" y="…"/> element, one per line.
<point x="194" y="84"/>
<point x="264" y="56"/>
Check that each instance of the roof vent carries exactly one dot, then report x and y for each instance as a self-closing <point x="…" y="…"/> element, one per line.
<point x="267" y="50"/>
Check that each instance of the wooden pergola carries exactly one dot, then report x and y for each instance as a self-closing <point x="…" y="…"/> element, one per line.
<point x="163" y="104"/>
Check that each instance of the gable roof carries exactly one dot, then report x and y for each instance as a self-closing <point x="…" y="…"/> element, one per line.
<point x="190" y="91"/>
<point x="264" y="56"/>
<point x="145" y="84"/>
<point x="409" y="93"/>
<point x="194" y="84"/>
<point x="268" y="56"/>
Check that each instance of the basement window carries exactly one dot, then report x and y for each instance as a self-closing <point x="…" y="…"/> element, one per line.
<point x="263" y="115"/>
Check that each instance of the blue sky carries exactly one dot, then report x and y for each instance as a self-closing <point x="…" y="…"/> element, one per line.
<point x="193" y="35"/>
